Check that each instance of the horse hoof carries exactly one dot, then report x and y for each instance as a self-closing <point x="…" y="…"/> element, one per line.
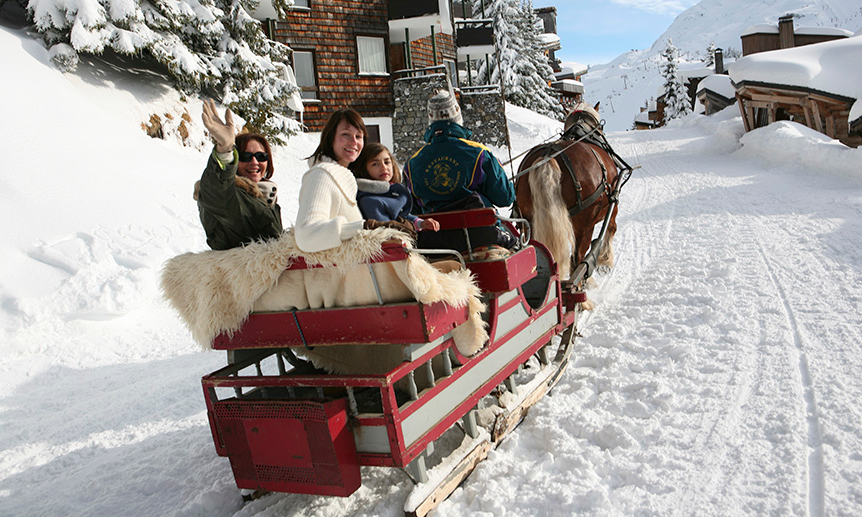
<point x="588" y="305"/>
<point x="603" y="269"/>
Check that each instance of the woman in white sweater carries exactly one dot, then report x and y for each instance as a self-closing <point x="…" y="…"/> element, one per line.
<point x="328" y="213"/>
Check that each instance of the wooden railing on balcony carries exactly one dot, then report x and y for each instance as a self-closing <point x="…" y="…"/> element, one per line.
<point x="471" y="33"/>
<point x="401" y="9"/>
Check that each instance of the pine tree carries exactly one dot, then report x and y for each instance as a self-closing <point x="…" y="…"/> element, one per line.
<point x="675" y="94"/>
<point x="206" y="46"/>
<point x="710" y="55"/>
<point x="523" y="67"/>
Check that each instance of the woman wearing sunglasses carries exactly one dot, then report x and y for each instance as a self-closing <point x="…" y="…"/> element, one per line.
<point x="236" y="199"/>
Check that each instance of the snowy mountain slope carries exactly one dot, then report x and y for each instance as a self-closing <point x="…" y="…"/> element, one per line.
<point x="719" y="21"/>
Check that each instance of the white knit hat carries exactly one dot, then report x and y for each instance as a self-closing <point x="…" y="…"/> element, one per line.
<point x="443" y="106"/>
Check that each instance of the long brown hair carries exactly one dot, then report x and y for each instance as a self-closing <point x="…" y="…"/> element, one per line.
<point x="327" y="137"/>
<point x="242" y="140"/>
<point x="369" y="152"/>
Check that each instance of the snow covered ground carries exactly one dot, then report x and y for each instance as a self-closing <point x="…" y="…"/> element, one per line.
<point x="718" y="376"/>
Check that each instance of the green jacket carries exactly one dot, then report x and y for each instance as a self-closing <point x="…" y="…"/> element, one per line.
<point x="232" y="217"/>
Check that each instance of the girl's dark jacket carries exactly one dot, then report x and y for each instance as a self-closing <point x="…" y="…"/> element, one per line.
<point x="232" y="209"/>
<point x="383" y="201"/>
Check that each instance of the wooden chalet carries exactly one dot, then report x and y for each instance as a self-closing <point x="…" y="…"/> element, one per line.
<point x="762" y="101"/>
<point x="345" y="52"/>
<point x="715" y="93"/>
<point x="643" y="121"/>
<point x="766" y="37"/>
<point x="351" y="53"/>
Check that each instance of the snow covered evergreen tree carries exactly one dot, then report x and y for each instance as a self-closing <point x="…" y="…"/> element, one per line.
<point x="206" y="45"/>
<point x="523" y="67"/>
<point x="710" y="55"/>
<point x="675" y="94"/>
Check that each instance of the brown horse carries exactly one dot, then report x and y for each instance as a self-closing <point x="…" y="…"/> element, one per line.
<point x="566" y="195"/>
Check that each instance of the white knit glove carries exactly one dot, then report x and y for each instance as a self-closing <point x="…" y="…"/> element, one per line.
<point x="222" y="132"/>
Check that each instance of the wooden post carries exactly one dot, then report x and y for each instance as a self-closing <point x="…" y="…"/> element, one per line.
<point x="741" y="103"/>
<point x="807" y="111"/>
<point x="815" y="111"/>
<point x="830" y="125"/>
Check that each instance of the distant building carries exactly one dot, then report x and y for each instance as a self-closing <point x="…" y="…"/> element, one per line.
<point x="818" y="85"/>
<point x="766" y="37"/>
<point x="715" y="93"/>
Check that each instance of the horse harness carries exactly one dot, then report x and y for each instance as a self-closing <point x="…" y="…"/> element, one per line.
<point x="555" y="151"/>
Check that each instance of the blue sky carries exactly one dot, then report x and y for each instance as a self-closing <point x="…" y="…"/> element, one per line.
<point x="595" y="32"/>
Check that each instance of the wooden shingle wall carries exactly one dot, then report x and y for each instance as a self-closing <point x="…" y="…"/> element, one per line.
<point x="329" y="29"/>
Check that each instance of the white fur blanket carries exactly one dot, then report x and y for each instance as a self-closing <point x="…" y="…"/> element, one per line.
<point x="215" y="291"/>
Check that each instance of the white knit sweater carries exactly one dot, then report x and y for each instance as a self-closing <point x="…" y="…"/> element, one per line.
<point x="327" y="213"/>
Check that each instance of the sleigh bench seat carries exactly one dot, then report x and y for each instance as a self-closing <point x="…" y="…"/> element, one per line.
<point x="380" y="324"/>
<point x="497" y="275"/>
<point x="389" y="324"/>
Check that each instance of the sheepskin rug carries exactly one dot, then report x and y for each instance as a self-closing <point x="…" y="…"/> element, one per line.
<point x="215" y="291"/>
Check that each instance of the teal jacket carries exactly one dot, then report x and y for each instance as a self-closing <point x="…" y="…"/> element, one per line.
<point x="449" y="167"/>
<point x="231" y="216"/>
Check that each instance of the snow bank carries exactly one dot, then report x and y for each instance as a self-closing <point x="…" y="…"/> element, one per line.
<point x="791" y="145"/>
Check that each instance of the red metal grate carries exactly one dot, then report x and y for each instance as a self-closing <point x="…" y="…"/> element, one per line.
<point x="289" y="446"/>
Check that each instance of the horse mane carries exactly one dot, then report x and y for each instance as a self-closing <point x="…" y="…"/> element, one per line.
<point x="551" y="224"/>
<point x="582" y="113"/>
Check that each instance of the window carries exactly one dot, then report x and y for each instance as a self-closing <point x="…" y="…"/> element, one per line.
<point x="301" y="3"/>
<point x="372" y="55"/>
<point x="373" y="133"/>
<point x="306" y="79"/>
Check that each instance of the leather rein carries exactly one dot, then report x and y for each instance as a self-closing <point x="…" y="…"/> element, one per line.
<point x="548" y="152"/>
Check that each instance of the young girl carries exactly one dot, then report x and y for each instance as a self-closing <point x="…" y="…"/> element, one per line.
<point x="381" y="196"/>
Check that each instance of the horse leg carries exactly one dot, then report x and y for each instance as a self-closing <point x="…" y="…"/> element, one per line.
<point x="606" y="257"/>
<point x="582" y="237"/>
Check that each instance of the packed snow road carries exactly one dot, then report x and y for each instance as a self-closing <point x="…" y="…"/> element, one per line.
<point x="719" y="374"/>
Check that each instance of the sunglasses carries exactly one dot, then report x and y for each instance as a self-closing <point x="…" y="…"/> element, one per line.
<point x="246" y="157"/>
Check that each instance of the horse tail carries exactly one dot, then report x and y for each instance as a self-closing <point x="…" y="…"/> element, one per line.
<point x="551" y="224"/>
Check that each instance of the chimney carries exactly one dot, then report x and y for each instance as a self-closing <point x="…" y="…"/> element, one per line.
<point x="719" y="61"/>
<point x="786" y="39"/>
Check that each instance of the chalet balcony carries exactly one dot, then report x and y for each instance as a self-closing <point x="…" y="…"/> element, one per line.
<point x="474" y="37"/>
<point x="417" y="19"/>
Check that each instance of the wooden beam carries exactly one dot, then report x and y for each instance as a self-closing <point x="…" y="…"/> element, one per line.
<point x="830" y="126"/>
<point x="742" y="109"/>
<point x="815" y="112"/>
<point x="749" y="111"/>
<point x="779" y="98"/>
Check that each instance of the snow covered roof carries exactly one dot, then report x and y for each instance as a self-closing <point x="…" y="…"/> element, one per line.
<point x="720" y="84"/>
<point x="569" y="85"/>
<point x="643" y="117"/>
<point x="760" y="28"/>
<point x="550" y="40"/>
<point x="832" y="67"/>
<point x="768" y="28"/>
<point x="700" y="71"/>
<point x="573" y="67"/>
<point x="823" y="31"/>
